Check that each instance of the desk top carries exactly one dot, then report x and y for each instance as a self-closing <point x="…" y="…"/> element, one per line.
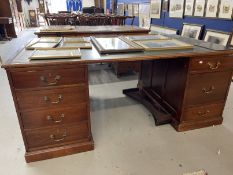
<point x="201" y="49"/>
<point x="97" y="30"/>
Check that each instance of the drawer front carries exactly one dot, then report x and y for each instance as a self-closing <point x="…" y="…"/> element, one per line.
<point x="208" y="87"/>
<point x="56" y="135"/>
<point x="211" y="64"/>
<point x="60" y="97"/>
<point x="55" y="117"/>
<point x="203" y="112"/>
<point x="45" y="78"/>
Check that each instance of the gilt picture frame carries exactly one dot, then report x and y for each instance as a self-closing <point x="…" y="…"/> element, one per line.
<point x="217" y="37"/>
<point x="176" y="9"/>
<point x="211" y="8"/>
<point x="199" y="8"/>
<point x="226" y="9"/>
<point x="192" y="30"/>
<point x="189" y="7"/>
<point x="155" y="9"/>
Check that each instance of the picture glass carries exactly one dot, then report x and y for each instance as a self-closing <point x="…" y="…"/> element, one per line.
<point x="189" y="7"/>
<point x="212" y="8"/>
<point x="199" y="8"/>
<point x="217" y="38"/>
<point x="191" y="31"/>
<point x="155" y="9"/>
<point x="176" y="8"/>
<point x="225" y="9"/>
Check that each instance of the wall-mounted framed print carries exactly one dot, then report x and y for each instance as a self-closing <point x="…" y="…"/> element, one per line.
<point x="130" y="9"/>
<point x="176" y="9"/>
<point x="211" y="8"/>
<point x="199" y="8"/>
<point x="126" y="7"/>
<point x="165" y="5"/>
<point x="217" y="37"/>
<point x="155" y="29"/>
<point x="192" y="30"/>
<point x="144" y="15"/>
<point x="121" y="9"/>
<point x="135" y="9"/>
<point x="155" y="8"/>
<point x="225" y="9"/>
<point x="189" y="7"/>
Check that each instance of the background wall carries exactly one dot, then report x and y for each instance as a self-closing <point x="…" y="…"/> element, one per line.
<point x="216" y="24"/>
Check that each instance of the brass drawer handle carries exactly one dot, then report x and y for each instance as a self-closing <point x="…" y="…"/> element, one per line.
<point x="55" y="139"/>
<point x="202" y="114"/>
<point x="47" y="99"/>
<point x="56" y="79"/>
<point x="208" y="91"/>
<point x="50" y="118"/>
<point x="213" y="66"/>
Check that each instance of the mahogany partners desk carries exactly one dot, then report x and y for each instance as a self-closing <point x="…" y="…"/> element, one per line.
<point x="187" y="88"/>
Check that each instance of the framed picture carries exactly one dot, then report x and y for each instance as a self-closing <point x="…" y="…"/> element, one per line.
<point x="135" y="9"/>
<point x="146" y="37"/>
<point x="121" y="9"/>
<point x="155" y="29"/>
<point x="144" y="15"/>
<point x="126" y="7"/>
<point x="176" y="9"/>
<point x="173" y="44"/>
<point x="119" y="44"/>
<point x="130" y="10"/>
<point x="217" y="37"/>
<point x="165" y="5"/>
<point x="199" y="8"/>
<point x="211" y="8"/>
<point x="225" y="9"/>
<point x="155" y="8"/>
<point x="189" y="7"/>
<point x="192" y="30"/>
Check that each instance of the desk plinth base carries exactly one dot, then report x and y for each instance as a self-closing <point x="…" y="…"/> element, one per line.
<point x="161" y="116"/>
<point x="59" y="151"/>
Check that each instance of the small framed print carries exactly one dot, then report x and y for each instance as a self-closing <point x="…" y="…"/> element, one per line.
<point x="225" y="9"/>
<point x="155" y="8"/>
<point x="144" y="15"/>
<point x="217" y="37"/>
<point x="199" y="8"/>
<point x="176" y="9"/>
<point x="192" y="30"/>
<point x="135" y="9"/>
<point x="211" y="8"/>
<point x="189" y="7"/>
<point x="165" y="5"/>
<point x="121" y="9"/>
<point x="130" y="10"/>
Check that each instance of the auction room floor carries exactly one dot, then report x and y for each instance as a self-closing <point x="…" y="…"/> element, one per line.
<point x="126" y="140"/>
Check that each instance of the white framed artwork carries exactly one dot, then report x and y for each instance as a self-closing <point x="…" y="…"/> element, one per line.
<point x="155" y="9"/>
<point x="199" y="8"/>
<point x="225" y="9"/>
<point x="189" y="7"/>
<point x="211" y="8"/>
<point x="176" y="9"/>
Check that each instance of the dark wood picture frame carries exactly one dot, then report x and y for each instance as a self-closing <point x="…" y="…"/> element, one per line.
<point x="134" y="47"/>
<point x="217" y="32"/>
<point x="195" y="25"/>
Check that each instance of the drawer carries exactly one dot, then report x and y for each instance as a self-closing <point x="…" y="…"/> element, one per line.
<point x="59" y="97"/>
<point x="56" y="136"/>
<point x="208" y="87"/>
<point x="44" y="78"/>
<point x="203" y="112"/>
<point x="211" y="64"/>
<point x="55" y="117"/>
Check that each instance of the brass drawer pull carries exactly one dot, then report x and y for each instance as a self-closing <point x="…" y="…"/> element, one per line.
<point x="202" y="114"/>
<point x="213" y="66"/>
<point x="55" y="139"/>
<point x="50" y="118"/>
<point x="47" y="99"/>
<point x="208" y="91"/>
<point x="56" y="79"/>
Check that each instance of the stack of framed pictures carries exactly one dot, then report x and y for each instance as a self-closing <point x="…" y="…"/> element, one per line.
<point x="106" y="45"/>
<point x="43" y="43"/>
<point x="74" y="43"/>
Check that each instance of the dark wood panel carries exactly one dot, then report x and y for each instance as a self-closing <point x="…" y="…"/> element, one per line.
<point x="60" y="97"/>
<point x="208" y="87"/>
<point x="43" y="77"/>
<point x="56" y="136"/>
<point x="55" y="117"/>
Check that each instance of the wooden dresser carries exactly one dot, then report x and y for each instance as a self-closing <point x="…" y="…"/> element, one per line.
<point x="52" y="103"/>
